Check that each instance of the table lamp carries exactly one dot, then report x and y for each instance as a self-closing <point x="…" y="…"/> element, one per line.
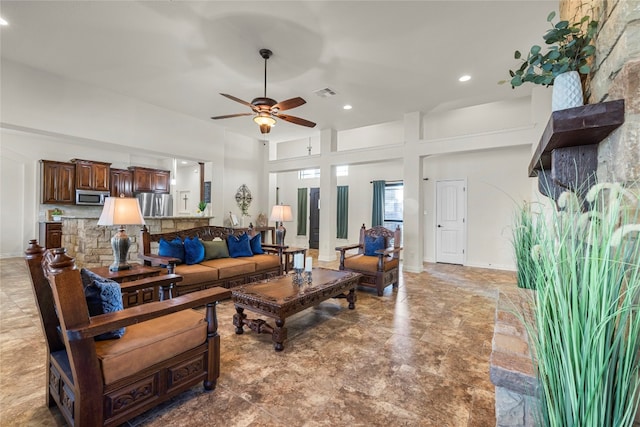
<point x="120" y="211"/>
<point x="280" y="213"/>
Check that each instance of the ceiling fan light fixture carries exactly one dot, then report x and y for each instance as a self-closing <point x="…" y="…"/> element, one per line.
<point x="264" y="129"/>
<point x="264" y="119"/>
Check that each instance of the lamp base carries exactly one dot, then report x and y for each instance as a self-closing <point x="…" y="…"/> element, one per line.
<point x="120" y="244"/>
<point x="280" y="233"/>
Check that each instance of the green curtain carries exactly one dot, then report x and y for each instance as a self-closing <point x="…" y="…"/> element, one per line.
<point x="302" y="211"/>
<point x="342" y="219"/>
<point x="377" y="212"/>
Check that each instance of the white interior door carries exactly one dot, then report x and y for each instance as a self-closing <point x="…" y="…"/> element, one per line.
<point x="451" y="208"/>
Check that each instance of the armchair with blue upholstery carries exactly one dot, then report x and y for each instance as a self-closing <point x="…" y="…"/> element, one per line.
<point x="377" y="259"/>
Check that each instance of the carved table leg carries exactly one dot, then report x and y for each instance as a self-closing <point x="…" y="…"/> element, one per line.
<point x="238" y="320"/>
<point x="279" y="335"/>
<point x="351" y="298"/>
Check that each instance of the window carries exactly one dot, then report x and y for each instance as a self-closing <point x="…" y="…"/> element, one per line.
<point x="315" y="173"/>
<point x="393" y="201"/>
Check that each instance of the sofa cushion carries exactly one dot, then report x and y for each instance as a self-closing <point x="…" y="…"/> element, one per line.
<point x="150" y="342"/>
<point x="172" y="249"/>
<point x="369" y="263"/>
<point x="230" y="267"/>
<point x="256" y="244"/>
<point x="193" y="250"/>
<point x="214" y="249"/>
<point x="264" y="261"/>
<point x="196" y="273"/>
<point x="373" y="244"/>
<point x="239" y="246"/>
<point x="103" y="296"/>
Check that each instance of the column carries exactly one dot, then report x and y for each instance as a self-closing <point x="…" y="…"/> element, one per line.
<point x="328" y="196"/>
<point x="413" y="236"/>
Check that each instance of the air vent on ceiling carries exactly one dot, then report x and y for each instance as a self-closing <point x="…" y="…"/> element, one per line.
<point x="325" y="93"/>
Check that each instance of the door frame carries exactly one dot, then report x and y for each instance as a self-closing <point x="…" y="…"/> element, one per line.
<point x="464" y="223"/>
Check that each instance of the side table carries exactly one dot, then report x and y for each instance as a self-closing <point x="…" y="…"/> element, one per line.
<point x="287" y="255"/>
<point x="136" y="272"/>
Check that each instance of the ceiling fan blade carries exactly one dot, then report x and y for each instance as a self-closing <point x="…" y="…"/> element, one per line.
<point x="295" y="120"/>
<point x="238" y="100"/>
<point x="289" y="104"/>
<point x="228" y="116"/>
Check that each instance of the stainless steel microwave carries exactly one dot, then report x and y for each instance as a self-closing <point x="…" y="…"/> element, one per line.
<point x="92" y="198"/>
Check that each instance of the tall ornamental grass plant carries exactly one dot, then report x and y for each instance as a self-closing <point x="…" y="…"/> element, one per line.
<point x="524" y="237"/>
<point x="586" y="331"/>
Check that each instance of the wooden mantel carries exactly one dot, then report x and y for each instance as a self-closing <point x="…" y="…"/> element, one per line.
<point x="566" y="157"/>
<point x="584" y="125"/>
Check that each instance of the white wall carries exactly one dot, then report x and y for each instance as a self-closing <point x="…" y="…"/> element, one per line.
<point x="496" y="181"/>
<point x="47" y="117"/>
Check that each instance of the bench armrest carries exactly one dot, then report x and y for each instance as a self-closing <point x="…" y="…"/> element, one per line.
<point x="388" y="251"/>
<point x="346" y="247"/>
<point x="140" y="313"/>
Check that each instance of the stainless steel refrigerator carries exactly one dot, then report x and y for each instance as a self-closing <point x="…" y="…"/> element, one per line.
<point x="152" y="204"/>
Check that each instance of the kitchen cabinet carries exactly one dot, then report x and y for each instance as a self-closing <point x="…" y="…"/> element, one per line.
<point x="50" y="234"/>
<point x="150" y="180"/>
<point x="91" y="175"/>
<point x="58" y="182"/>
<point x="121" y="182"/>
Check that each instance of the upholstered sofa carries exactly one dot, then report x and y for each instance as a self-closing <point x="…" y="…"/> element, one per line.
<point x="225" y="263"/>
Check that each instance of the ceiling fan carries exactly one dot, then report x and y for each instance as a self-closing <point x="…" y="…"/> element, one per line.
<point x="265" y="109"/>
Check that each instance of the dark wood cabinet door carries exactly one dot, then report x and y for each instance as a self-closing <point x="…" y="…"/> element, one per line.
<point x="58" y="182"/>
<point x="150" y="180"/>
<point x="92" y="175"/>
<point x="50" y="235"/>
<point x="121" y="183"/>
<point x="142" y="180"/>
<point x="161" y="181"/>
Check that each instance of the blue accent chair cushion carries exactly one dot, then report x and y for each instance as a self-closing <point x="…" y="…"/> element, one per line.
<point x="103" y="296"/>
<point x="172" y="249"/>
<point x="372" y="244"/>
<point x="256" y="244"/>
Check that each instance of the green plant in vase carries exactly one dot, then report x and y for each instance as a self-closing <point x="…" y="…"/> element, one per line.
<point x="586" y="311"/>
<point x="570" y="49"/>
<point x="202" y="205"/>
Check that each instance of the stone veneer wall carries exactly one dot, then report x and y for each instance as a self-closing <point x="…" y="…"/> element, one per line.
<point x="90" y="243"/>
<point x="616" y="75"/>
<point x="511" y="368"/>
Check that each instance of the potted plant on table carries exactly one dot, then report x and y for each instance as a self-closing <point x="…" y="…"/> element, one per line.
<point x="202" y="205"/>
<point x="56" y="214"/>
<point x="569" y="55"/>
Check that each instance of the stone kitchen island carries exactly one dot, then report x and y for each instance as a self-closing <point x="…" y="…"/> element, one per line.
<point x="90" y="243"/>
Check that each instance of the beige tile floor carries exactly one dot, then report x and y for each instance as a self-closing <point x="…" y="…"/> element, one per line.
<point x="417" y="356"/>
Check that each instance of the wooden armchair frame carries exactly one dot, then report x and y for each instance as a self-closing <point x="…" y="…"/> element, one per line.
<point x="74" y="376"/>
<point x="382" y="273"/>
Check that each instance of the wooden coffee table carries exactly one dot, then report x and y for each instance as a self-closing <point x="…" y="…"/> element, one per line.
<point x="280" y="298"/>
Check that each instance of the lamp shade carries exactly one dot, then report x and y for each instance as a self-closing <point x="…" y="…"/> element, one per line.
<point x="280" y="213"/>
<point x="121" y="211"/>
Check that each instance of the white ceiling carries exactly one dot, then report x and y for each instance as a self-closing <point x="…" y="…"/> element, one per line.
<point x="385" y="58"/>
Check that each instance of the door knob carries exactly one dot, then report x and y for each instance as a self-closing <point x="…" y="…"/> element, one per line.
<point x="439" y="226"/>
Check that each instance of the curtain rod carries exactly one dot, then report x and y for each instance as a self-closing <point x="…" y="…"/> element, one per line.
<point x="396" y="181"/>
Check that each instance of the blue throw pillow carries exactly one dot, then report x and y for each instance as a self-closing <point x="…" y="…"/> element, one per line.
<point x="103" y="296"/>
<point x="372" y="244"/>
<point x="239" y="246"/>
<point x="193" y="251"/>
<point x="172" y="249"/>
<point x="256" y="244"/>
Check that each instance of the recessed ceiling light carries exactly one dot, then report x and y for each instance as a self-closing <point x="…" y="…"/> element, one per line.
<point x="464" y="78"/>
<point x="347" y="107"/>
<point x="184" y="162"/>
<point x="3" y="21"/>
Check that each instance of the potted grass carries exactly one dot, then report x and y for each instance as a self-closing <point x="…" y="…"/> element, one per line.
<point x="585" y="331"/>
<point x="202" y="205"/>
<point x="566" y="61"/>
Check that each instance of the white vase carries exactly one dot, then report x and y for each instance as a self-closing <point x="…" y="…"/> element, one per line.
<point x="567" y="91"/>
